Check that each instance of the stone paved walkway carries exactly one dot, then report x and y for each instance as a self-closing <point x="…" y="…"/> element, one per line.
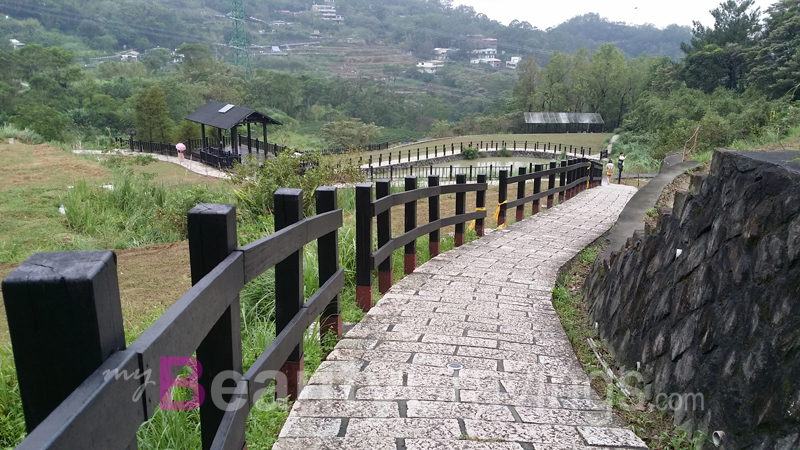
<point x="193" y="166"/>
<point x="468" y="353"/>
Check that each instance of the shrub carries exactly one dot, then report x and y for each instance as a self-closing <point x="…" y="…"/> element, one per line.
<point x="504" y="152"/>
<point x="254" y="184"/>
<point x="470" y="153"/>
<point x="25" y="136"/>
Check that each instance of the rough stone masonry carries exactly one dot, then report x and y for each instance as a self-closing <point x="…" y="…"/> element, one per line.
<point x="467" y="353"/>
<point x="708" y="303"/>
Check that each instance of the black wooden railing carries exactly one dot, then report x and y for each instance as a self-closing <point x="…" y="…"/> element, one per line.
<point x="366" y="209"/>
<point x="436" y="151"/>
<point x="81" y="388"/>
<point x="575" y="175"/>
<point x="214" y="152"/>
<point x="367" y="148"/>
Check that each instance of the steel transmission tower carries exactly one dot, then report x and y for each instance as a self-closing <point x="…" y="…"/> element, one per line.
<point x="238" y="43"/>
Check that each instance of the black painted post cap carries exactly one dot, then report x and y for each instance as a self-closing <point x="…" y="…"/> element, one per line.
<point x="65" y="318"/>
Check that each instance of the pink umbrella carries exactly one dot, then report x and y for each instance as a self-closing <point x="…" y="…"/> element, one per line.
<point x="180" y="147"/>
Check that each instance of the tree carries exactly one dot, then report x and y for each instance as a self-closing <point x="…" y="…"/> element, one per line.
<point x="152" y="116"/>
<point x="606" y="68"/>
<point x="198" y="61"/>
<point x="156" y="58"/>
<point x="527" y="83"/>
<point x="715" y="56"/>
<point x="350" y="133"/>
<point x="734" y="23"/>
<point x="46" y="121"/>
<point x="553" y="93"/>
<point x="776" y="60"/>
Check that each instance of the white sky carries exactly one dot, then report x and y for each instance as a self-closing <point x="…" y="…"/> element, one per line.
<point x="549" y="13"/>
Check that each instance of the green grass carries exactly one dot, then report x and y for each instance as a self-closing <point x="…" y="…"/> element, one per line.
<point x="147" y="206"/>
<point x="653" y="426"/>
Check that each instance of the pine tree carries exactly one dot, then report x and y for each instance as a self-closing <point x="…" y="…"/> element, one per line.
<point x="152" y="115"/>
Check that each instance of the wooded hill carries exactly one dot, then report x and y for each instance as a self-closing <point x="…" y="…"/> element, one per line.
<point x="412" y="25"/>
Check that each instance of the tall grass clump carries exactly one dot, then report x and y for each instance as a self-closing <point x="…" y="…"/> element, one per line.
<point x="134" y="211"/>
<point x="24" y="136"/>
<point x="254" y="183"/>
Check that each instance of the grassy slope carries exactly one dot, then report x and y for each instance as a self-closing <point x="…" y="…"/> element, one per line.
<point x="33" y="181"/>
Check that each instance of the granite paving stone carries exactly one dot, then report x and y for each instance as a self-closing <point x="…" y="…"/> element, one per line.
<point x="485" y="309"/>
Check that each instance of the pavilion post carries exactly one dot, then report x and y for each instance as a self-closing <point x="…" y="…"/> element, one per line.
<point x="219" y="140"/>
<point x="264" y="125"/>
<point x="235" y="140"/>
<point x="249" y="140"/>
<point x="205" y="142"/>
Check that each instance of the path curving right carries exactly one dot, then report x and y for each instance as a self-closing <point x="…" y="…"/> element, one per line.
<point x="467" y="353"/>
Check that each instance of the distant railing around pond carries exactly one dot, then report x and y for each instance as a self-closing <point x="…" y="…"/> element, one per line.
<point x="82" y="389"/>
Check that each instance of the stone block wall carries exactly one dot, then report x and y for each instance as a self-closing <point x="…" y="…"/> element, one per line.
<point x="708" y="302"/>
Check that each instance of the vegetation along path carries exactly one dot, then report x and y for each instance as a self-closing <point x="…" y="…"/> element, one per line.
<point x="468" y="352"/>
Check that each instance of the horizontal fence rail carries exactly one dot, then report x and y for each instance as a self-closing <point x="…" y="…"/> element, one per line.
<point x="366" y="209"/>
<point x="410" y="153"/>
<point x="70" y="301"/>
<point x="574" y="176"/>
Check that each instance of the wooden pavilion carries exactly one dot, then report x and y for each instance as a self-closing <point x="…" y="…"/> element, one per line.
<point x="222" y="150"/>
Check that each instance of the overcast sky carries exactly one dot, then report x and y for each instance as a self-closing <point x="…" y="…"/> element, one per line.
<point x="548" y="13"/>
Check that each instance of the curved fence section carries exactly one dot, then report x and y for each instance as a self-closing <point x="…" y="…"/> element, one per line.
<point x="366" y="209"/>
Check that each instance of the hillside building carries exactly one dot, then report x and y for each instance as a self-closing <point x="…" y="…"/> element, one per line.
<point x="130" y="55"/>
<point x="429" y="66"/>
<point x="485" y="56"/>
<point x="512" y="63"/>
<point x="442" y="53"/>
<point x="328" y="12"/>
<point x="16" y="44"/>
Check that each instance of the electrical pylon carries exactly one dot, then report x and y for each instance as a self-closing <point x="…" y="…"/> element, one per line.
<point x="238" y="43"/>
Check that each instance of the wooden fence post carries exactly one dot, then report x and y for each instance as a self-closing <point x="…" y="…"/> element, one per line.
<point x="385" y="276"/>
<point x="502" y="196"/>
<point x="480" y="204"/>
<point x="551" y="183"/>
<point x="364" y="246"/>
<point x="328" y="251"/>
<point x="461" y="209"/>
<point x="410" y="259"/>
<point x="289" y="285"/>
<point x="562" y="178"/>
<point x="520" y="194"/>
<point x="64" y="313"/>
<point x="537" y="187"/>
<point x="451" y="172"/>
<point x="212" y="237"/>
<point x="433" y="215"/>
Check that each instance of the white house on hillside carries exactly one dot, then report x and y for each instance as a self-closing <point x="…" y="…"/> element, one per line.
<point x="485" y="56"/>
<point x="16" y="44"/>
<point x="328" y="12"/>
<point x="130" y="55"/>
<point x="512" y="64"/>
<point x="442" y="53"/>
<point x="429" y="66"/>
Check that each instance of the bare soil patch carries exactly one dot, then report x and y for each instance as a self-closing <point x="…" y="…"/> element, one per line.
<point x="151" y="279"/>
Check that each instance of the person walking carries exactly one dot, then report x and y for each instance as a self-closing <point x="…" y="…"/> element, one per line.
<point x="609" y="170"/>
<point x="180" y="148"/>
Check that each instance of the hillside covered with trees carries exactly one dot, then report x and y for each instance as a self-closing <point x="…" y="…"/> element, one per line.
<point x="737" y="79"/>
<point x="413" y="25"/>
